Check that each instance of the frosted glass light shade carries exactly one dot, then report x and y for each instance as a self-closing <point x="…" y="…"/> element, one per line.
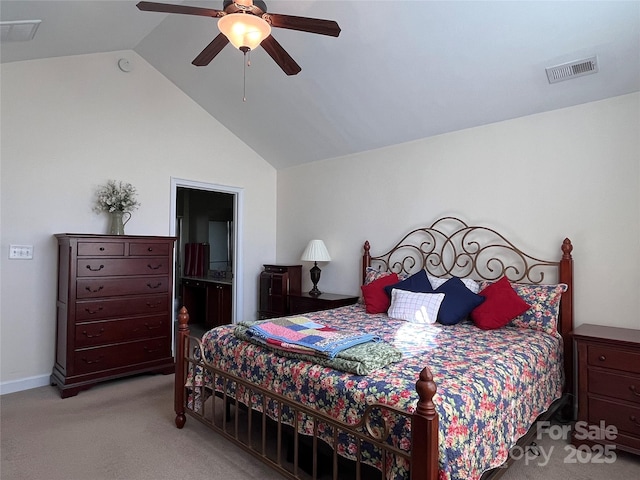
<point x="244" y="29"/>
<point x="316" y="252"/>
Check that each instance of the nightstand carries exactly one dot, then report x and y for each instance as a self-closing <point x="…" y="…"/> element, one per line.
<point x="608" y="387"/>
<point x="277" y="283"/>
<point x="304" y="303"/>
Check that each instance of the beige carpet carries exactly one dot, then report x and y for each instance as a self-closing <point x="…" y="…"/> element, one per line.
<point x="124" y="430"/>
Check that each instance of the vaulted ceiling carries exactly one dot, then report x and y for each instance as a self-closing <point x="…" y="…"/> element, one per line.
<point x="399" y="71"/>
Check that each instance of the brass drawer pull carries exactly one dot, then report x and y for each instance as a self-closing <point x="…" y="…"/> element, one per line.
<point x="89" y="362"/>
<point x="94" y="290"/>
<point x="153" y="305"/>
<point x="92" y="312"/>
<point x="634" y="391"/>
<point x="152" y="350"/>
<point x="149" y="249"/>
<point x="95" y="269"/>
<point x="634" y="420"/>
<point x="102" y="249"/>
<point x="602" y="358"/>
<point x="153" y="327"/>
<point x="154" y="268"/>
<point x="84" y="332"/>
<point x="157" y="285"/>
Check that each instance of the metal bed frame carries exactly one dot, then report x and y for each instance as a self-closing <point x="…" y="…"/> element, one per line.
<point x="238" y="411"/>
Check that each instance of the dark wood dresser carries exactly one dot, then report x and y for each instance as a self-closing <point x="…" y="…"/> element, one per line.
<point x="114" y="308"/>
<point x="304" y="303"/>
<point x="276" y="283"/>
<point x="608" y="386"/>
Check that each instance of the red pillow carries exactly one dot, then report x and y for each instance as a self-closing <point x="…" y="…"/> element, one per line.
<point x="501" y="305"/>
<point x="376" y="299"/>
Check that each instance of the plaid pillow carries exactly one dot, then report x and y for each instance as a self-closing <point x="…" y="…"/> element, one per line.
<point x="415" y="307"/>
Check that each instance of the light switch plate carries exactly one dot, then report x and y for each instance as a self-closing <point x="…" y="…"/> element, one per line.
<point x="21" y="252"/>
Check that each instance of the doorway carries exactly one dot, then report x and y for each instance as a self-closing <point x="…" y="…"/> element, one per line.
<point x="209" y="213"/>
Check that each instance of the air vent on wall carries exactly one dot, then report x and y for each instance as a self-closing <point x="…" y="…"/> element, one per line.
<point x="574" y="69"/>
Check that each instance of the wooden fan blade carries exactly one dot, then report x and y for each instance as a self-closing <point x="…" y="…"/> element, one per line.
<point x="280" y="56"/>
<point x="211" y="50"/>
<point x="168" y="8"/>
<point x="303" y="24"/>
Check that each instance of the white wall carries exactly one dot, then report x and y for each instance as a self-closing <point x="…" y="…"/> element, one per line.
<point x="68" y="125"/>
<point x="569" y="173"/>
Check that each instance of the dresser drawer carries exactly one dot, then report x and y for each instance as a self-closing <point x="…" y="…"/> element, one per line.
<point x="111" y="287"/>
<point x="124" y="354"/>
<point x="626" y="418"/>
<point x="104" y="267"/>
<point x="611" y="357"/>
<point x="616" y="385"/>
<point x="96" y="249"/>
<point x="148" y="249"/>
<point x="115" y="331"/>
<point x="97" y="309"/>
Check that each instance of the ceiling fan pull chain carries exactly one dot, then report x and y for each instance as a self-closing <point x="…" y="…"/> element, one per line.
<point x="244" y="78"/>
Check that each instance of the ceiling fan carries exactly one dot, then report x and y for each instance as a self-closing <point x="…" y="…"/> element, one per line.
<point x="246" y="24"/>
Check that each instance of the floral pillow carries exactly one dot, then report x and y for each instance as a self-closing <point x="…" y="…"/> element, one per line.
<point x="373" y="274"/>
<point x="544" y="301"/>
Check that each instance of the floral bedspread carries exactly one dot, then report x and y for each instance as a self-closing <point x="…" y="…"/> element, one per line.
<point x="491" y="384"/>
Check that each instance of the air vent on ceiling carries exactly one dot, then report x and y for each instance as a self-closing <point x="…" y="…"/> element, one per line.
<point x="574" y="69"/>
<point x="19" y="30"/>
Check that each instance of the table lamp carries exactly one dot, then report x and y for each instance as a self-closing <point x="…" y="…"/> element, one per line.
<point x="315" y="252"/>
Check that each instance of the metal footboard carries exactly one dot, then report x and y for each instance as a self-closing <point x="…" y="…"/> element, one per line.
<point x="269" y="426"/>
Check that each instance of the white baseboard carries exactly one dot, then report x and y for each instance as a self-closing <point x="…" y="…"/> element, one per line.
<point x="23" y="384"/>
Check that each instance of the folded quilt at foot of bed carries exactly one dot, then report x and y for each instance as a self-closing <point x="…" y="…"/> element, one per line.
<point x="304" y="332"/>
<point x="360" y="359"/>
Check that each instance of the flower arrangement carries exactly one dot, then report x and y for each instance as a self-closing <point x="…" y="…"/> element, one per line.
<point x="116" y="197"/>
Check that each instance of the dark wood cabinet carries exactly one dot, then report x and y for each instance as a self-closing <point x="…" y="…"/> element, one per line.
<point x="277" y="282"/>
<point x="608" y="386"/>
<point x="114" y="308"/>
<point x="304" y="303"/>
<point x="207" y="301"/>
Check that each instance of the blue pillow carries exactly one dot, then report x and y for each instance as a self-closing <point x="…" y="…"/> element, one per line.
<point x="458" y="301"/>
<point x="418" y="283"/>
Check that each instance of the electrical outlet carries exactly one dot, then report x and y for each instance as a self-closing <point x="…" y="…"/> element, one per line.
<point x="21" y="252"/>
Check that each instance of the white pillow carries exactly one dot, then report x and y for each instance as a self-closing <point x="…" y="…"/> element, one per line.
<point x="415" y="307"/>
<point x="470" y="284"/>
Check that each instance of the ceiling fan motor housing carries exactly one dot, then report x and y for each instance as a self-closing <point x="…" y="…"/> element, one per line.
<point x="257" y="8"/>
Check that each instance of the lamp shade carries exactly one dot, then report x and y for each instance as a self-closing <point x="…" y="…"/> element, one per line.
<point x="244" y="29"/>
<point x="315" y="252"/>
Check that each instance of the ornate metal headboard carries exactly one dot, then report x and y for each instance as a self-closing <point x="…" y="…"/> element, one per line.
<point x="450" y="247"/>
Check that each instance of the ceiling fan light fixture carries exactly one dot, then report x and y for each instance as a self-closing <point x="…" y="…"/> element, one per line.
<point x="244" y="30"/>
